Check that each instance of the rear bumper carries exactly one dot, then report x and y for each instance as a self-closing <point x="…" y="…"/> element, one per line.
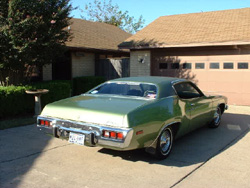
<point x="93" y="133"/>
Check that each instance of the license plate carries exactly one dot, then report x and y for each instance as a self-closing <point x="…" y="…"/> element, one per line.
<point x="76" y="138"/>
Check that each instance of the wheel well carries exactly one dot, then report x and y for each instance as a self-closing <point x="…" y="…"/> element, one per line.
<point x="175" y="127"/>
<point x="222" y="107"/>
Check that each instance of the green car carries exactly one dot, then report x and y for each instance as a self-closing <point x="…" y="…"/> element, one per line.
<point x="134" y="112"/>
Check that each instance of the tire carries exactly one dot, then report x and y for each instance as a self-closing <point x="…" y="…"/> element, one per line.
<point x="164" y="143"/>
<point x="217" y="118"/>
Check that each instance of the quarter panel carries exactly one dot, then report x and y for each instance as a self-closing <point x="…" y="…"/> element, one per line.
<point x="151" y="118"/>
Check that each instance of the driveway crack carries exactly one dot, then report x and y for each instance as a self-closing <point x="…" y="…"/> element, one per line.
<point x="212" y="156"/>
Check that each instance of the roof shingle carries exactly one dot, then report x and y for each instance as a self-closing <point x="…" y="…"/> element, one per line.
<point x="196" y="29"/>
<point x="95" y="35"/>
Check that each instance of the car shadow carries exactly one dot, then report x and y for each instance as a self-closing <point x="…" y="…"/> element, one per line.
<point x="196" y="147"/>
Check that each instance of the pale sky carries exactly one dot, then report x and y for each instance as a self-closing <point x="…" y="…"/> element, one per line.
<point x="152" y="9"/>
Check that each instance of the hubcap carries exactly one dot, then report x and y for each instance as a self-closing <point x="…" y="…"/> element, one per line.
<point x="165" y="141"/>
<point x="217" y="115"/>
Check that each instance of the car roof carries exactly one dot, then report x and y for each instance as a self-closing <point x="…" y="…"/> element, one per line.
<point x="150" y="79"/>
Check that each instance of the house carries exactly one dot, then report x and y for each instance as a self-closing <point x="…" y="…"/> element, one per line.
<point x="91" y="42"/>
<point x="210" y="48"/>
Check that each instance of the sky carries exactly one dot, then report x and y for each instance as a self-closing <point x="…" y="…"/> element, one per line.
<point x="152" y="9"/>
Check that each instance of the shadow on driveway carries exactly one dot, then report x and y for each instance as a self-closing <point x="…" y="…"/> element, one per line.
<point x="20" y="149"/>
<point x="198" y="146"/>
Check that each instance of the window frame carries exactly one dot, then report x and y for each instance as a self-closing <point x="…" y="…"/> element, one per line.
<point x="243" y="67"/>
<point x="204" y="66"/>
<point x="228" y="63"/>
<point x="214" y="64"/>
<point x="193" y="85"/>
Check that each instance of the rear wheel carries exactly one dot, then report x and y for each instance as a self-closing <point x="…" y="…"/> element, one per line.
<point x="164" y="143"/>
<point x="217" y="118"/>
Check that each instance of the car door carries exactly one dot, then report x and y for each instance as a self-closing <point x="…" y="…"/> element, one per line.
<point x="197" y="105"/>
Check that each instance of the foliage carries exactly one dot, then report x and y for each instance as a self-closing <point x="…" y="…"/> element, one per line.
<point x="17" y="122"/>
<point x="32" y="32"/>
<point x="14" y="101"/>
<point x="106" y="12"/>
<point x="84" y="84"/>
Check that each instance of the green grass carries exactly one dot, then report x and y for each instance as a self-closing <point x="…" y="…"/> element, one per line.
<point x="17" y="122"/>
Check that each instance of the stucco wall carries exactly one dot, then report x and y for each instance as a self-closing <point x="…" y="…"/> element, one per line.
<point x="141" y="68"/>
<point x="83" y="64"/>
<point x="47" y="72"/>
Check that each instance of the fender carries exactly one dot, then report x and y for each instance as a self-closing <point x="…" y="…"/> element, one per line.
<point x="152" y="148"/>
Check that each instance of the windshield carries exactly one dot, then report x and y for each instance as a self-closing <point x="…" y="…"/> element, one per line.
<point x="127" y="89"/>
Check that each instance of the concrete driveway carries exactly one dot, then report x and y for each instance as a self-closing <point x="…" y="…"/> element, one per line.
<point x="205" y="158"/>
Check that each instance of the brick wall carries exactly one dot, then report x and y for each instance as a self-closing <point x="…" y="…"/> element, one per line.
<point x="83" y="65"/>
<point x="141" y="68"/>
<point x="47" y="72"/>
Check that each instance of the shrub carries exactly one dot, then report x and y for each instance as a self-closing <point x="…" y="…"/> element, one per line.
<point x="84" y="84"/>
<point x="57" y="90"/>
<point x="14" y="101"/>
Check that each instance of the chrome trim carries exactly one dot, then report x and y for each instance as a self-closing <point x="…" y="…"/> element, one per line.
<point x="91" y="131"/>
<point x="152" y="148"/>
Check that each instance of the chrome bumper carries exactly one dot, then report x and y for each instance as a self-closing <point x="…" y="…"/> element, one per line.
<point x="93" y="133"/>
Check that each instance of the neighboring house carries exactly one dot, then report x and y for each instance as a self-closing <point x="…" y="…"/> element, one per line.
<point x="91" y="44"/>
<point x="210" y="48"/>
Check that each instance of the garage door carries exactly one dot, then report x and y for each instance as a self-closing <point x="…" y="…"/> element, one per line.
<point x="227" y="75"/>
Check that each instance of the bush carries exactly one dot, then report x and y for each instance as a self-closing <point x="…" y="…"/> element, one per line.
<point x="14" y="101"/>
<point x="84" y="84"/>
<point x="57" y="90"/>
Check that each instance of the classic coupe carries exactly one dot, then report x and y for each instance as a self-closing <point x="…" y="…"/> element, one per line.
<point x="133" y="112"/>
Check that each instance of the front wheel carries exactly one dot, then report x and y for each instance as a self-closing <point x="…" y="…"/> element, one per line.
<point x="164" y="143"/>
<point x="217" y="118"/>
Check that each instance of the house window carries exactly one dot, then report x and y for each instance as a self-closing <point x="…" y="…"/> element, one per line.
<point x="175" y="65"/>
<point x="163" y="65"/>
<point x="228" y="65"/>
<point x="187" y="65"/>
<point x="214" y="65"/>
<point x="199" y="65"/>
<point x="242" y="65"/>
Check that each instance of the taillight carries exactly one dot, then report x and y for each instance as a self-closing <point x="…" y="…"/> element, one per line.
<point x="120" y="136"/>
<point x="112" y="134"/>
<point x="45" y="123"/>
<point x="106" y="134"/>
<point x="41" y="122"/>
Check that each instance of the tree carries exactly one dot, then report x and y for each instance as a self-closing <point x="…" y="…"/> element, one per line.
<point x="102" y="11"/>
<point x="32" y="33"/>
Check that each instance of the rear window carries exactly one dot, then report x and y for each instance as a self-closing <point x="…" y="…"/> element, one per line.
<point x="127" y="89"/>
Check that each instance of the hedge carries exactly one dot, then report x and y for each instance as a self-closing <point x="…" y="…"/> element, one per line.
<point x="84" y="84"/>
<point x="14" y="101"/>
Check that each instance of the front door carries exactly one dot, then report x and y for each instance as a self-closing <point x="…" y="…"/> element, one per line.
<point x="197" y="106"/>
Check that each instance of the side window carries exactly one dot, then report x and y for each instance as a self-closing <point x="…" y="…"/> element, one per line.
<point x="187" y="91"/>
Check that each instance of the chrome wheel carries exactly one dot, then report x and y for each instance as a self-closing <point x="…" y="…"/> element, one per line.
<point x="164" y="144"/>
<point x="165" y="141"/>
<point x="217" y="116"/>
<point x="216" y="119"/>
